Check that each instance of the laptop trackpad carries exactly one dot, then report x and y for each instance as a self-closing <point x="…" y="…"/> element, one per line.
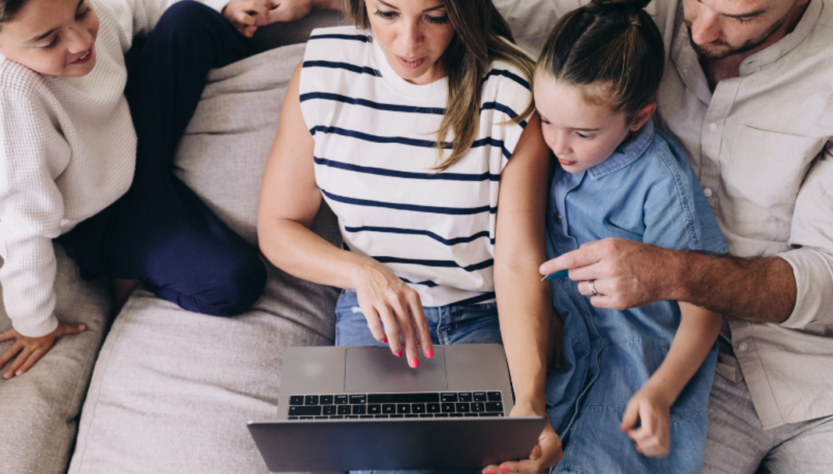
<point x="375" y="369"/>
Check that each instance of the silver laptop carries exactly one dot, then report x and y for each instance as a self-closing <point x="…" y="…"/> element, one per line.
<point x="362" y="408"/>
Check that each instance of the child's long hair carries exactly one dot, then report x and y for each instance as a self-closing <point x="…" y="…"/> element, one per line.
<point x="613" y="48"/>
<point x="481" y="36"/>
<point x="9" y="8"/>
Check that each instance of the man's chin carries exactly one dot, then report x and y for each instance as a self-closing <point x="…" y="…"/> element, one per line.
<point x="713" y="53"/>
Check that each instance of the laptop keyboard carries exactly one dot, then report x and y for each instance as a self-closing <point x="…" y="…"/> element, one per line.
<point x="395" y="405"/>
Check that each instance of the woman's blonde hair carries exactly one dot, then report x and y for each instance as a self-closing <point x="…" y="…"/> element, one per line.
<point x="481" y="36"/>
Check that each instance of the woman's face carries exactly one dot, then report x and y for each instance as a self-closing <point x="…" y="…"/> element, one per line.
<point x="413" y="34"/>
<point x="52" y="37"/>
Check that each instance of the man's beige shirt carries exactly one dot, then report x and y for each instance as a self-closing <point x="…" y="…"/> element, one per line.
<point x="761" y="146"/>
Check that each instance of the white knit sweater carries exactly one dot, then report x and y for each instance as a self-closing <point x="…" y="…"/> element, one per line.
<point x="67" y="151"/>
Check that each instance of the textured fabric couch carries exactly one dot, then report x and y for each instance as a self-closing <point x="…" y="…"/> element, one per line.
<point x="157" y="389"/>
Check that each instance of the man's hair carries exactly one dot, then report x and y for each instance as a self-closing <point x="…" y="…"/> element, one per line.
<point x="10" y="8"/>
<point x="613" y="44"/>
<point x="481" y="35"/>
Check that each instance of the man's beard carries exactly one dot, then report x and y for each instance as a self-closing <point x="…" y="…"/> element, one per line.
<point x="704" y="53"/>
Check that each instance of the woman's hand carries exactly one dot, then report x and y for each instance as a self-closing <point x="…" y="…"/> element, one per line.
<point x="31" y="349"/>
<point x="393" y="310"/>
<point x="543" y="456"/>
<point x="651" y="407"/>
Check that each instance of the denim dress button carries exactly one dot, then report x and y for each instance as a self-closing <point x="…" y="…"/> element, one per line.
<point x="557" y="217"/>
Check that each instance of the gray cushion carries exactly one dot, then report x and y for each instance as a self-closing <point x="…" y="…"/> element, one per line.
<point x="172" y="390"/>
<point x="39" y="410"/>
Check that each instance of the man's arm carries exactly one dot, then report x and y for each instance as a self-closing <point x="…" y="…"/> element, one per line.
<point x="629" y="274"/>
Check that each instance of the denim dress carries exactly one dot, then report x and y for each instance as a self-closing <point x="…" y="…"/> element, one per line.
<point x="647" y="192"/>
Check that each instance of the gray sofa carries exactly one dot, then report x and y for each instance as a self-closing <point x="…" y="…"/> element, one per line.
<point x="161" y="390"/>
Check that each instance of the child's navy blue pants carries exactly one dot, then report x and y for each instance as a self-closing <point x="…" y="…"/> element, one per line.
<point x="160" y="231"/>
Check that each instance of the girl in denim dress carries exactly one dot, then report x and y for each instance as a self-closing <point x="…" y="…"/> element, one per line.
<point x="630" y="396"/>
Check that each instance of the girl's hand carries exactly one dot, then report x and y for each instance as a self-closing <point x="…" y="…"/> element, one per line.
<point x="651" y="407"/>
<point x="393" y="311"/>
<point x="248" y="15"/>
<point x="31" y="349"/>
<point x="544" y="455"/>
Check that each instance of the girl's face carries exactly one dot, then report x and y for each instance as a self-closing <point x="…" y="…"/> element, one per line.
<point x="413" y="34"/>
<point x="580" y="134"/>
<point x="52" y="37"/>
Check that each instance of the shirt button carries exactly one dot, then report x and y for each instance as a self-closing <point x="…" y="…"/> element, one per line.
<point x="743" y="346"/>
<point x="557" y="217"/>
<point x="713" y="127"/>
<point x="707" y="192"/>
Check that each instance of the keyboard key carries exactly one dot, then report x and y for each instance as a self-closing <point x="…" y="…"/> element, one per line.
<point x="311" y="400"/>
<point x="455" y="415"/>
<point x="426" y="416"/>
<point x="344" y="410"/>
<point x="397" y="416"/>
<point x="478" y="407"/>
<point x="388" y="409"/>
<point x="448" y="408"/>
<point x="491" y="414"/>
<point x="304" y="411"/>
<point x="433" y="408"/>
<point x="296" y="400"/>
<point x="494" y="406"/>
<point x="341" y="399"/>
<point x="336" y="417"/>
<point x="356" y="399"/>
<point x="403" y="397"/>
<point x="494" y="397"/>
<point x="374" y="409"/>
<point x="403" y="408"/>
<point x="359" y="409"/>
<point x="352" y="416"/>
<point x="440" y="415"/>
<point x="462" y="407"/>
<point x="326" y="399"/>
<point x="464" y="396"/>
<point x="293" y="417"/>
<point x="471" y="414"/>
<point x="411" y="416"/>
<point x="480" y="397"/>
<point x="330" y="410"/>
<point x="321" y="417"/>
<point x="306" y="418"/>
<point x="418" y="408"/>
<point x="381" y="416"/>
<point x="448" y="397"/>
<point x="366" y="416"/>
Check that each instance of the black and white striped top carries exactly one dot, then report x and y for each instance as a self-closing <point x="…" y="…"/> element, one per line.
<point x="375" y="137"/>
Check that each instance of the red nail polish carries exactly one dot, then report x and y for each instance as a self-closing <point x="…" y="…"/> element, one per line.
<point x="384" y="341"/>
<point x="502" y="469"/>
<point x="399" y="354"/>
<point x="414" y="363"/>
<point x="429" y="353"/>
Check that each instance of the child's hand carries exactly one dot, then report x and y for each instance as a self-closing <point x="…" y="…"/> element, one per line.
<point x="248" y="15"/>
<point x="31" y="349"/>
<point x="653" y="411"/>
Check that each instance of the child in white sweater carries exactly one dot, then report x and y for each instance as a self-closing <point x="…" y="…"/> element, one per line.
<point x="74" y="169"/>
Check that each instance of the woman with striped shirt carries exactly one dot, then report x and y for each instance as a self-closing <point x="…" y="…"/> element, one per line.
<point x="413" y="125"/>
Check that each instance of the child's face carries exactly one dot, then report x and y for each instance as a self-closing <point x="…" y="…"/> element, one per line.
<point x="581" y="135"/>
<point x="52" y="37"/>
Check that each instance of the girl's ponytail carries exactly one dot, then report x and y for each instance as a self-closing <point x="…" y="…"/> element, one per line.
<point x="613" y="43"/>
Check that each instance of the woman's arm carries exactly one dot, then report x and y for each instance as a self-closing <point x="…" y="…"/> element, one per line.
<point x="524" y="302"/>
<point x="289" y="201"/>
<point x="652" y="404"/>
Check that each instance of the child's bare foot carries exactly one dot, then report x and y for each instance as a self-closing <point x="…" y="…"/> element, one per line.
<point x="122" y="288"/>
